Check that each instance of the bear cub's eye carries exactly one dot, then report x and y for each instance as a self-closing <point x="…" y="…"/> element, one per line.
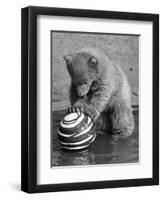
<point x="93" y="61"/>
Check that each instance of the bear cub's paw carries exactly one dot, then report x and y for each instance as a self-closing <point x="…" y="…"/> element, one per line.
<point x="77" y="107"/>
<point x="87" y="109"/>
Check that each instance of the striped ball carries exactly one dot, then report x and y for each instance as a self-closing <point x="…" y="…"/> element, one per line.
<point x="75" y="131"/>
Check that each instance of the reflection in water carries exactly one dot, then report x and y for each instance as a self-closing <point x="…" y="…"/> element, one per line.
<point x="62" y="157"/>
<point x="104" y="150"/>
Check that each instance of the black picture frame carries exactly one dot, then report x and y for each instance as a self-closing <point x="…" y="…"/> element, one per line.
<point x="29" y="98"/>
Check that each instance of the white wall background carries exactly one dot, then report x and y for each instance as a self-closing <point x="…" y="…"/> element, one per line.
<point x="10" y="79"/>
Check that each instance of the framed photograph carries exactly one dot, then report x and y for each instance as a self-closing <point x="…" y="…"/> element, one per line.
<point x="90" y="99"/>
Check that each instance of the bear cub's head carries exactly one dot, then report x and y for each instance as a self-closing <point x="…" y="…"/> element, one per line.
<point x="83" y="70"/>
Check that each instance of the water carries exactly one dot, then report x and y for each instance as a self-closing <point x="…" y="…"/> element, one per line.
<point x="106" y="149"/>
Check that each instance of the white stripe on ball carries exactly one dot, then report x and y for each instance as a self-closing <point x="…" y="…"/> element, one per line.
<point x="70" y="117"/>
<point x="77" y="143"/>
<point x="64" y="135"/>
<point x="79" y="147"/>
<point x="76" y="148"/>
<point x="89" y="124"/>
<point x="85" y="131"/>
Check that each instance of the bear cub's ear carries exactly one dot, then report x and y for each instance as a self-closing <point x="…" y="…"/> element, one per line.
<point x="93" y="61"/>
<point x="68" y="58"/>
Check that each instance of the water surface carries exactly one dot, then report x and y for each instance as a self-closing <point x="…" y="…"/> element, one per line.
<point x="106" y="149"/>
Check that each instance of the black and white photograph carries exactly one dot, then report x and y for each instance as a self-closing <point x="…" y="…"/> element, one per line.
<point x="90" y="99"/>
<point x="94" y="98"/>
